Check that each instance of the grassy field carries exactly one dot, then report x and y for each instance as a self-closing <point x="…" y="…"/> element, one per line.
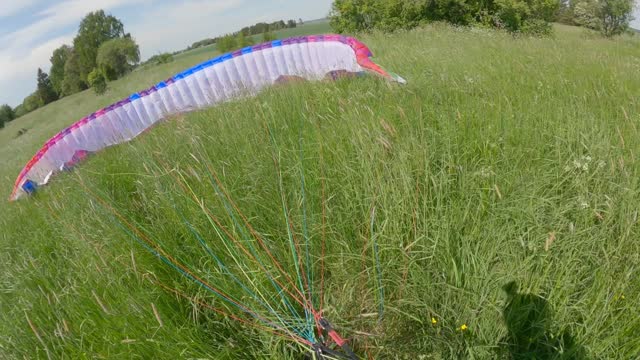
<point x="500" y="188"/>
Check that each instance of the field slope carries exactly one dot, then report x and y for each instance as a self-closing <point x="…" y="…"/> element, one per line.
<point x="501" y="185"/>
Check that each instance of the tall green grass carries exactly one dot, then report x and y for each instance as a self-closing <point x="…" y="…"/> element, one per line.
<point x="502" y="160"/>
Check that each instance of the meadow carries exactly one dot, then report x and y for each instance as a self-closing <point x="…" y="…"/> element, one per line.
<point x="500" y="184"/>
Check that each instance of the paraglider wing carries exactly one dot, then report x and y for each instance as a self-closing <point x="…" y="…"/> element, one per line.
<point x="242" y="72"/>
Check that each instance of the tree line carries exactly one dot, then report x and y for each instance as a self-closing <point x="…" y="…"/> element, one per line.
<point x="101" y="51"/>
<point x="611" y="17"/>
<point x="243" y="37"/>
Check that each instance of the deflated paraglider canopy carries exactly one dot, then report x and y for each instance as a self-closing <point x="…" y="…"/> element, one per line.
<point x="223" y="78"/>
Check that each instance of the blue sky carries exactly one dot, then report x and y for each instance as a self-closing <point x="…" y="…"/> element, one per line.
<point x="31" y="29"/>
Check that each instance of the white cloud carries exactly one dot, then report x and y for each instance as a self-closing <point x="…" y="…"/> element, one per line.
<point x="20" y="77"/>
<point x="29" y="63"/>
<point x="636" y="13"/>
<point x="58" y="16"/>
<point x="175" y="26"/>
<point x="12" y="7"/>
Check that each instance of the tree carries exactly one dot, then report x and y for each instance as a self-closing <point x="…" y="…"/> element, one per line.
<point x="31" y="102"/>
<point x="291" y="24"/>
<point x="226" y="43"/>
<point x="98" y="81"/>
<point x="117" y="57"/>
<point x="613" y="16"/>
<point x="45" y="90"/>
<point x="19" y="111"/>
<point x="58" y="60"/>
<point x="243" y="41"/>
<point x="6" y="115"/>
<point x="584" y="14"/>
<point x="72" y="82"/>
<point x="95" y="29"/>
<point x="268" y="36"/>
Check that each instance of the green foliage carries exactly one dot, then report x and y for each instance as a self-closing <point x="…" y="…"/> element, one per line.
<point x="19" y="110"/>
<point x="6" y="114"/>
<point x="163" y="58"/>
<point x="95" y="29"/>
<point x="390" y="15"/>
<point x="268" y="36"/>
<point x="609" y="17"/>
<point x="98" y="81"/>
<point x="31" y="103"/>
<point x="158" y="59"/>
<point x="537" y="27"/>
<point x="45" y="90"/>
<point x="614" y="16"/>
<point x="584" y="14"/>
<point x="227" y="43"/>
<point x="243" y="41"/>
<point x="117" y="57"/>
<point x="73" y="81"/>
<point x="56" y="73"/>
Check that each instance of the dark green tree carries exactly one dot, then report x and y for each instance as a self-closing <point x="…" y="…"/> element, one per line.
<point x="56" y="74"/>
<point x="45" y="90"/>
<point x="6" y="114"/>
<point x="72" y="82"/>
<point x="95" y="29"/>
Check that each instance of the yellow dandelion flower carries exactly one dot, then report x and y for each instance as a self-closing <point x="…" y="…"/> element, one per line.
<point x="464" y="327"/>
<point x="434" y="321"/>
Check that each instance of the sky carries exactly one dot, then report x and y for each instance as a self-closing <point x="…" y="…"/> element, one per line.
<point x="31" y="29"/>
<point x="636" y="14"/>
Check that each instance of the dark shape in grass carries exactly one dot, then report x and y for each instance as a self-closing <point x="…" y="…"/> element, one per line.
<point x="529" y="322"/>
<point x="21" y="132"/>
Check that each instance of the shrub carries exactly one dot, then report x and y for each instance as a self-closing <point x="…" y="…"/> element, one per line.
<point x="537" y="27"/>
<point x="390" y="15"/>
<point x="226" y="43"/>
<point x="98" y="81"/>
<point x="268" y="36"/>
<point x="164" y="58"/>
